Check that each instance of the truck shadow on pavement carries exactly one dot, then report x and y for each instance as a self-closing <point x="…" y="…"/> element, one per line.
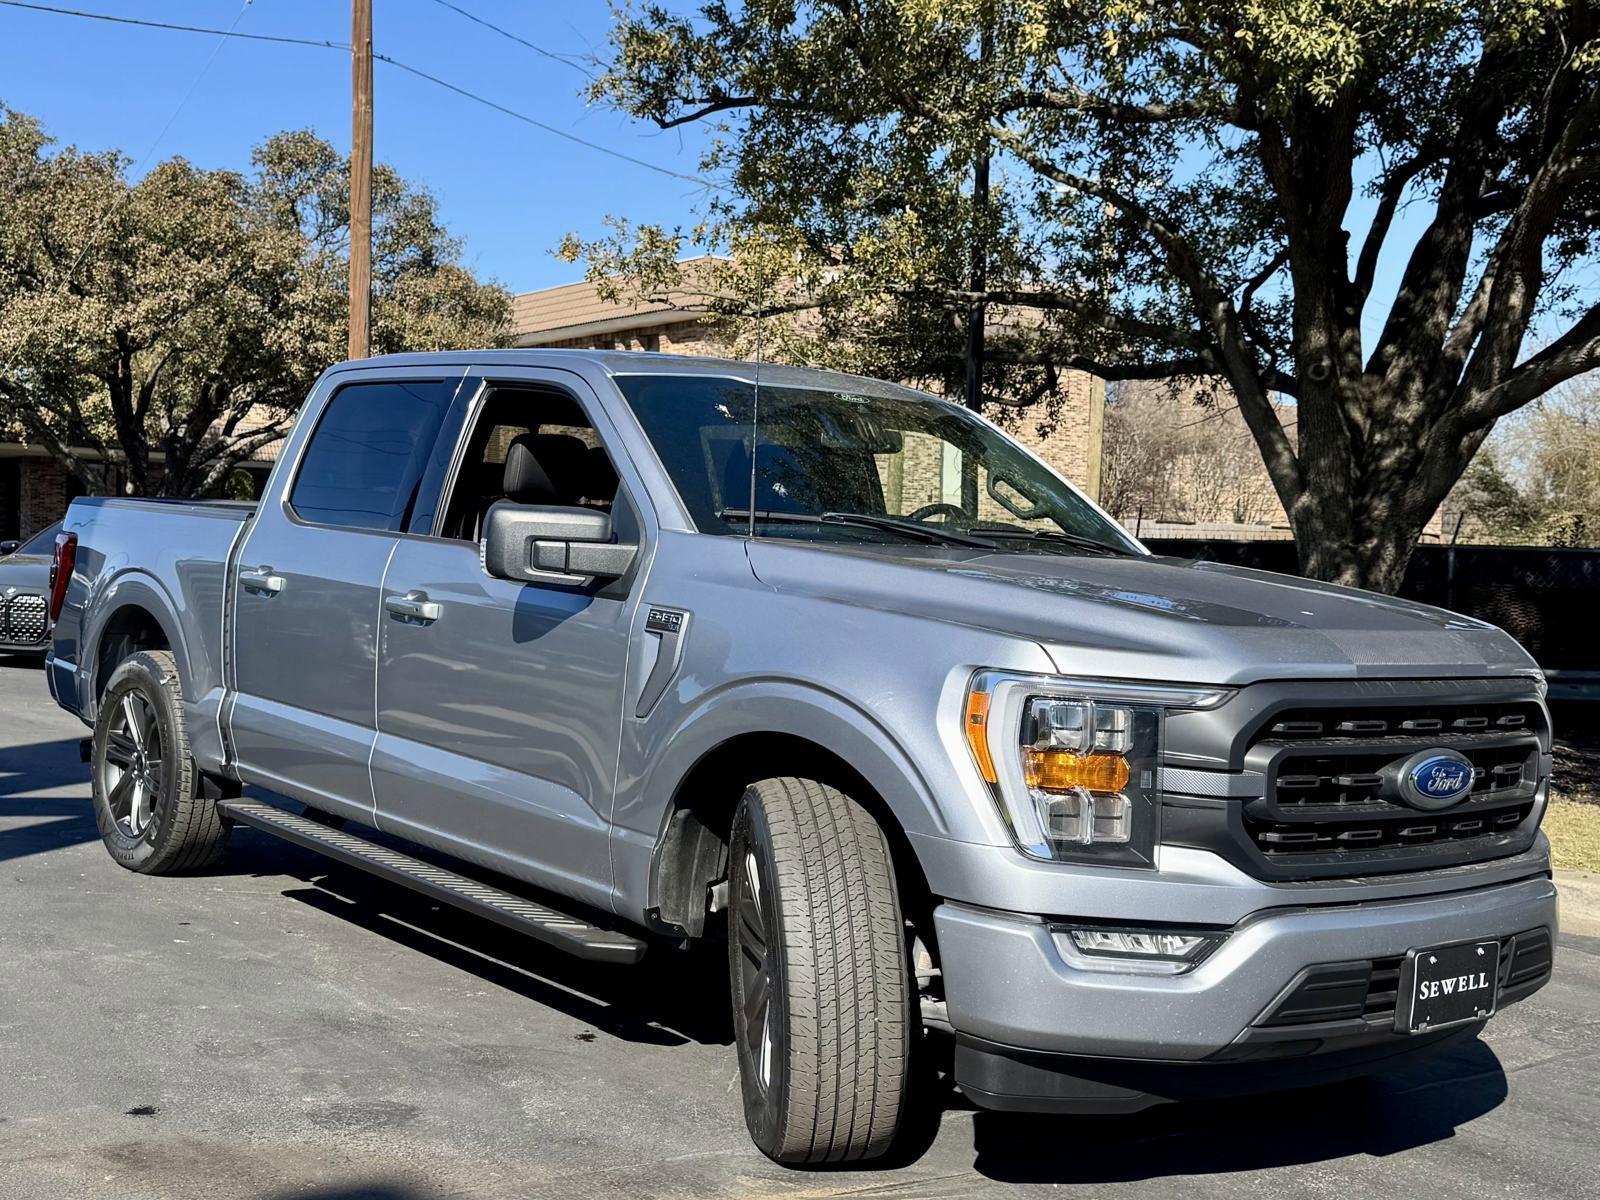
<point x="1406" y="1109"/>
<point x="44" y="767"/>
<point x="672" y="998"/>
<point x="359" y="1191"/>
<point x="675" y="997"/>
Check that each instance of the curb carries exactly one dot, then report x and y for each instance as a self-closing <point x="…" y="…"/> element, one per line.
<point x="1580" y="902"/>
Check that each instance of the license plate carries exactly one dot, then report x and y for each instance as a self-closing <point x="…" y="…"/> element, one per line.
<point x="1448" y="985"/>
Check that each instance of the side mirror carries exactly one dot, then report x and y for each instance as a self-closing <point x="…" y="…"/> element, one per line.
<point x="8" y="547"/>
<point x="535" y="543"/>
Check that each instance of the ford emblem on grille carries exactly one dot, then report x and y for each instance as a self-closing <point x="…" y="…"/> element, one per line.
<point x="1435" y="779"/>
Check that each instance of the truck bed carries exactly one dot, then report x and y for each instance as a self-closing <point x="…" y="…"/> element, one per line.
<point x="168" y="557"/>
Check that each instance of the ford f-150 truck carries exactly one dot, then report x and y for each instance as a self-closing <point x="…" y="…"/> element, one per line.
<point x="627" y="651"/>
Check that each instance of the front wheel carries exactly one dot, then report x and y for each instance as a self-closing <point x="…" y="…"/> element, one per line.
<point x="149" y="801"/>
<point x="817" y="958"/>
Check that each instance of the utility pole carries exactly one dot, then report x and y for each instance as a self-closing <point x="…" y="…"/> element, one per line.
<point x="979" y="272"/>
<point x="360" y="177"/>
<point x="977" y="311"/>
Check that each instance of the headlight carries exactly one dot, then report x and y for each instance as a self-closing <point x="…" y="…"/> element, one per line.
<point x="1074" y="763"/>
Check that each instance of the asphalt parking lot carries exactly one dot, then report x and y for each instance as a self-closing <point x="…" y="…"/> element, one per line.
<point x="286" y="1028"/>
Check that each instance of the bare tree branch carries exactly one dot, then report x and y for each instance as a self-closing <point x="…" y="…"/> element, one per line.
<point x="1573" y="353"/>
<point x="1389" y="196"/>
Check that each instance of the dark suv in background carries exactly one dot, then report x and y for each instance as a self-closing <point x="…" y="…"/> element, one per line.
<point x="24" y="592"/>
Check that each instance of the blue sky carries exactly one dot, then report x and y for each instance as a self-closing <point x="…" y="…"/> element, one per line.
<point x="508" y="190"/>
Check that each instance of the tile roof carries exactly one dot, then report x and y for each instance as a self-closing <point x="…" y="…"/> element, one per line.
<point x="575" y="305"/>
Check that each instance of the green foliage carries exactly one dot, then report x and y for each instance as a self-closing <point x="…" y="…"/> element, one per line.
<point x="1183" y="189"/>
<point x="175" y="323"/>
<point x="1538" y="482"/>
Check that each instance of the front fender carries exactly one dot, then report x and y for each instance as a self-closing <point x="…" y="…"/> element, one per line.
<point x="920" y="786"/>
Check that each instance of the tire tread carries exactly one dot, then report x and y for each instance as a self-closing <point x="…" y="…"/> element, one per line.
<point x="196" y="835"/>
<point x="849" y="993"/>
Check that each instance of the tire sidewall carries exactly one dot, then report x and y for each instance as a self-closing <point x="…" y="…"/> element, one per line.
<point x="142" y="674"/>
<point x="766" y="1115"/>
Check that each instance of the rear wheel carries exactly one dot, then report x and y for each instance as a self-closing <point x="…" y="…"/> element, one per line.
<point x="817" y="958"/>
<point x="150" y="800"/>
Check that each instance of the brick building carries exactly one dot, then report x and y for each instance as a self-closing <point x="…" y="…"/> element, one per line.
<point x="34" y="490"/>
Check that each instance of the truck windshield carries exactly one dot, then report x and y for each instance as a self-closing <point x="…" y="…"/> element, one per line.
<point x="840" y="466"/>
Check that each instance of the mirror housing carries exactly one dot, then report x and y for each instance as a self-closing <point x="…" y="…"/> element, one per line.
<point x="8" y="547"/>
<point x="537" y="543"/>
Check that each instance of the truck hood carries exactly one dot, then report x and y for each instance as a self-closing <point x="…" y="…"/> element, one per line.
<point x="1145" y="618"/>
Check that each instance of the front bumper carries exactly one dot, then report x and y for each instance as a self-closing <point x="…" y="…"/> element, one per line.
<point x="1010" y="990"/>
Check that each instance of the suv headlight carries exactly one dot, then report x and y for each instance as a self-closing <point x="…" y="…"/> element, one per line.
<point x="1074" y="764"/>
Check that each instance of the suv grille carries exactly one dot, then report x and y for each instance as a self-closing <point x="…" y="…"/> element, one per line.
<point x="23" y="619"/>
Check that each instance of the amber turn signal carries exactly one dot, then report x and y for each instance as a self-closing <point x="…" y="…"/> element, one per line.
<point x="977" y="726"/>
<point x="1063" y="770"/>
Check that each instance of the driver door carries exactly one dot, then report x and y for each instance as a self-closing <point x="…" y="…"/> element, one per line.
<point x="500" y="708"/>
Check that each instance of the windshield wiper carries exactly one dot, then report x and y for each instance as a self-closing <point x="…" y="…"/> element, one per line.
<point x="912" y="529"/>
<point x="1082" y="541"/>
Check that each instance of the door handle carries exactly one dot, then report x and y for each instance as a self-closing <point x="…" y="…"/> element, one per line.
<point x="413" y="606"/>
<point x="260" y="579"/>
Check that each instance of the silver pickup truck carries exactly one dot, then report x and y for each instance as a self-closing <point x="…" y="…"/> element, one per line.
<point x="627" y="651"/>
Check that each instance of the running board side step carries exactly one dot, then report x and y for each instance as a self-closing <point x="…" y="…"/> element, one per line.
<point x="561" y="930"/>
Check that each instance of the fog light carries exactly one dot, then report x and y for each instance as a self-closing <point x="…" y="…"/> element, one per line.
<point x="1136" y="951"/>
<point x="1144" y="945"/>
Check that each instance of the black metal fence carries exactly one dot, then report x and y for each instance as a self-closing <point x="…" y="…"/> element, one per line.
<point x="1546" y="598"/>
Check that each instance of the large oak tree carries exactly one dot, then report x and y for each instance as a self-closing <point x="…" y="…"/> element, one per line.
<point x="172" y="325"/>
<point x="1180" y="189"/>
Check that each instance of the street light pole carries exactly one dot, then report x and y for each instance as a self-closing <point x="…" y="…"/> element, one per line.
<point x="360" y="177"/>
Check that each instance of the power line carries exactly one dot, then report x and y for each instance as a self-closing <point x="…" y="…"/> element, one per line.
<point x="568" y="60"/>
<point x="194" y="84"/>
<point x="537" y="124"/>
<point x="223" y="33"/>
<point x="393" y="62"/>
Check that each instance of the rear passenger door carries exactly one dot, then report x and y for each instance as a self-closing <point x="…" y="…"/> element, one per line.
<point x="500" y="711"/>
<point x="307" y="610"/>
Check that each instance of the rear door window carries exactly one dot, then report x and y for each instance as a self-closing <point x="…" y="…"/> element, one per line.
<point x="363" y="467"/>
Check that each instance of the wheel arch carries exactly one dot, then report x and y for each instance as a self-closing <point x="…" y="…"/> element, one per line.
<point x="789" y="731"/>
<point x="134" y="614"/>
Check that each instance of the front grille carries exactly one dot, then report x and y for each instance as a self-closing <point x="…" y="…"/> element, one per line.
<point x="1311" y="776"/>
<point x="1370" y="991"/>
<point x="1416" y="829"/>
<point x="1332" y="774"/>
<point x="1336" y="724"/>
<point x="1316" y="779"/>
<point x="23" y="619"/>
